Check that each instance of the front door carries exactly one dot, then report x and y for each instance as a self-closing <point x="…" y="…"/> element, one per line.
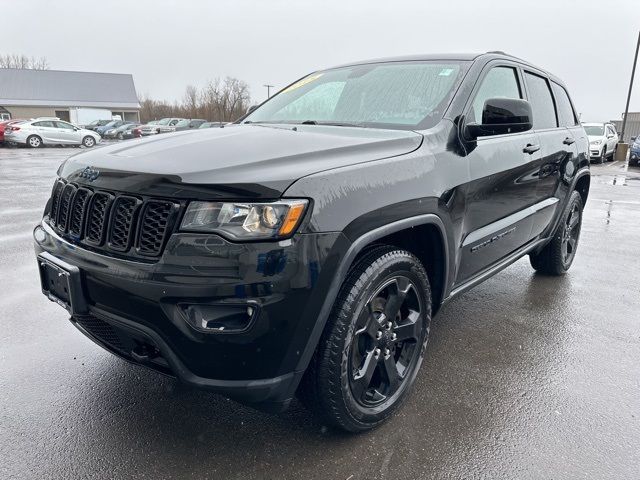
<point x="503" y="188"/>
<point x="67" y="133"/>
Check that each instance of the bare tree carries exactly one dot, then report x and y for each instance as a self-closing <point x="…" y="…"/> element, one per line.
<point x="219" y="100"/>
<point x="13" y="60"/>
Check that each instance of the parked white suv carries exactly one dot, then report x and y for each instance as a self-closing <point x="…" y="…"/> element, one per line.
<point x="603" y="140"/>
<point x="49" y="131"/>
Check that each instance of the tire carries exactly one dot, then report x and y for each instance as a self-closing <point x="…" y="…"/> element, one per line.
<point x="603" y="157"/>
<point x="558" y="255"/>
<point x="120" y="136"/>
<point x="34" y="141"/>
<point x="613" y="153"/>
<point x="88" y="141"/>
<point x="362" y="370"/>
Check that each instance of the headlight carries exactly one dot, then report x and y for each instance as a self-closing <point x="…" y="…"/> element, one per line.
<point x="596" y="142"/>
<point x="245" y="221"/>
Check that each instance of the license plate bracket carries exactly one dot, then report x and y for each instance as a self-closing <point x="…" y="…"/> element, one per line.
<point x="61" y="283"/>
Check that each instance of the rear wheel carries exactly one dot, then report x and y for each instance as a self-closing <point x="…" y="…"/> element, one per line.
<point x="374" y="342"/>
<point x="88" y="141"/>
<point x="34" y="141"/>
<point x="557" y="256"/>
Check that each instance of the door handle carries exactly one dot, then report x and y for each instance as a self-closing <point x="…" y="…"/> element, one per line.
<point x="531" y="149"/>
<point x="568" y="141"/>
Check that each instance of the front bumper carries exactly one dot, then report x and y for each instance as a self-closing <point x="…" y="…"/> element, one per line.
<point x="137" y="310"/>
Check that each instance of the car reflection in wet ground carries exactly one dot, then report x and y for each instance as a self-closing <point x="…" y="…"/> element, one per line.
<point x="525" y="376"/>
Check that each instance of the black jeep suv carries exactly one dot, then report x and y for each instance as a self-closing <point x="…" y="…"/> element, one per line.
<point x="306" y="248"/>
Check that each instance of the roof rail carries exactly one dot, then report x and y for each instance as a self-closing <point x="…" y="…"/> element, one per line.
<point x="498" y="52"/>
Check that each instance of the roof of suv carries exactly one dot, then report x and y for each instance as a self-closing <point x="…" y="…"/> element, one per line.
<point x="462" y="57"/>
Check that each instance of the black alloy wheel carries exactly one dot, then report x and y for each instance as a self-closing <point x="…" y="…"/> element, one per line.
<point x="373" y="343"/>
<point x="571" y="234"/>
<point x="385" y="343"/>
<point x="557" y="256"/>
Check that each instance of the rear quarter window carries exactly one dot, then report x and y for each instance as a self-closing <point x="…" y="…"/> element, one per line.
<point x="566" y="115"/>
<point x="542" y="106"/>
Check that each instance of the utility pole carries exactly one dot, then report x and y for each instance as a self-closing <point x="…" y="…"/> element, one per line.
<point x="269" y="87"/>
<point x="633" y="72"/>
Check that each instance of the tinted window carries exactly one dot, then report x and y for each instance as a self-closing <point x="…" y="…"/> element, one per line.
<point x="64" y="125"/>
<point x="566" y="115"/>
<point x="544" y="113"/>
<point x="500" y="82"/>
<point x="44" y="124"/>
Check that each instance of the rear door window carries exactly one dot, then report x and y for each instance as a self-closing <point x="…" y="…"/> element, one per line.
<point x="500" y="82"/>
<point x="566" y="115"/>
<point x="542" y="106"/>
<point x="47" y="124"/>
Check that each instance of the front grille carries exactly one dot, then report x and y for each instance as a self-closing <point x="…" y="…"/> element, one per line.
<point x="65" y="205"/>
<point x="123" y="225"/>
<point x="98" y="213"/>
<point x="122" y="222"/>
<point x="55" y="201"/>
<point x="155" y="221"/>
<point x="101" y="330"/>
<point x="78" y="209"/>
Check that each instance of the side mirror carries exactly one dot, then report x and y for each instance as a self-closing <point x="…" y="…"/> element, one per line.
<point x="501" y="116"/>
<point x="251" y="109"/>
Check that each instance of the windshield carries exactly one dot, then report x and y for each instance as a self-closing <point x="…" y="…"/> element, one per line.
<point x="164" y="121"/>
<point x="401" y="95"/>
<point x="594" y="130"/>
<point x="182" y="123"/>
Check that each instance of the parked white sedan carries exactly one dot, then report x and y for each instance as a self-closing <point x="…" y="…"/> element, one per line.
<point x="49" y="131"/>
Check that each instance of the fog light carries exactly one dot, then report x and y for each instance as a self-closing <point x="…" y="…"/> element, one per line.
<point x="220" y="318"/>
<point x="39" y="234"/>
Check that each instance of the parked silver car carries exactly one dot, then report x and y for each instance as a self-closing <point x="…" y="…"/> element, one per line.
<point x="165" y="125"/>
<point x="49" y="131"/>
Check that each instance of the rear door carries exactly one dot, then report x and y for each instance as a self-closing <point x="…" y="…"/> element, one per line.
<point x="503" y="183"/>
<point x="46" y="130"/>
<point x="557" y="146"/>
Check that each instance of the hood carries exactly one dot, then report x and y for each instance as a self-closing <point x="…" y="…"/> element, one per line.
<point x="253" y="161"/>
<point x="593" y="138"/>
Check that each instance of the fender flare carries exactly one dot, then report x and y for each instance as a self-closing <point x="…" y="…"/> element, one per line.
<point x="347" y="260"/>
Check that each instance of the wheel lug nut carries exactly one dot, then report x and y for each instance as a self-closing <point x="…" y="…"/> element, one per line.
<point x="376" y="352"/>
<point x="386" y="352"/>
<point x="389" y="325"/>
<point x="378" y="335"/>
<point x="393" y="336"/>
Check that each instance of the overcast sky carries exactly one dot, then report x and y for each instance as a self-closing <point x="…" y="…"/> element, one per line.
<point x="169" y="44"/>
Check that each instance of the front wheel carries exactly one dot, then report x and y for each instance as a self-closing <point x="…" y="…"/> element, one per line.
<point x="557" y="256"/>
<point x="373" y="343"/>
<point x="88" y="141"/>
<point x="603" y="158"/>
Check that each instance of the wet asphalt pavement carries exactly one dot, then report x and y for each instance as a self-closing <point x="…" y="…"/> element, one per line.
<point x="525" y="376"/>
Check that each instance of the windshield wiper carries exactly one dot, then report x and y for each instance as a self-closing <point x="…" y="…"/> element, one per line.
<point x="331" y="124"/>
